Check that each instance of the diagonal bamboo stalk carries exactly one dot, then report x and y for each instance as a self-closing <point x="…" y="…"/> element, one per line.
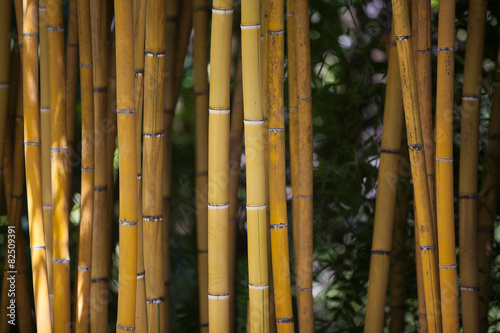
<point x="488" y="200"/>
<point x="125" y="86"/>
<point x="183" y="32"/>
<point x="59" y="152"/>
<point x="444" y="167"/>
<point x="277" y="181"/>
<point x="200" y="55"/>
<point x="152" y="207"/>
<point x="218" y="164"/>
<point x="417" y="160"/>
<point x="386" y="196"/>
<point x="141" y="320"/>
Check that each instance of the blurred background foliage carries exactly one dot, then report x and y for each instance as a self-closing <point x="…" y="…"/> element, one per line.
<point x="349" y="62"/>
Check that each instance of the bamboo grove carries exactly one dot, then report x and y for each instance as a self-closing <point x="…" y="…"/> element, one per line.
<point x="93" y="94"/>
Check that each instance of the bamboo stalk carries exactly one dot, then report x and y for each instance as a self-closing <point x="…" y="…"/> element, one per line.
<point x="185" y="17"/>
<point x="218" y="164"/>
<point x="71" y="84"/>
<point x="152" y="206"/>
<point x="235" y="145"/>
<point x="87" y="190"/>
<point x="200" y="55"/>
<point x="125" y="70"/>
<point x="255" y="160"/>
<point x="59" y="152"/>
<point x="386" y="196"/>
<point x="467" y="196"/>
<point x="141" y="320"/>
<point x="417" y="160"/>
<point x="277" y="181"/>
<point x="488" y="199"/>
<point x="444" y="167"/>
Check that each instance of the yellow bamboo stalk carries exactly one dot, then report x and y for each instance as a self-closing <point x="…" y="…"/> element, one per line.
<point x="200" y="55"/>
<point x="444" y="167"/>
<point x="87" y="190"/>
<point x="386" y="196"/>
<point x="488" y="199"/>
<point x="45" y="146"/>
<point x="125" y="86"/>
<point x="255" y="160"/>
<point x="100" y="267"/>
<point x="5" y="28"/>
<point x="469" y="150"/>
<point x="141" y="320"/>
<point x="185" y="17"/>
<point x="59" y="152"/>
<point x="218" y="164"/>
<point x="152" y="207"/>
<point x="417" y="160"/>
<point x="277" y="181"/>
<point x="235" y="143"/>
<point x="71" y="84"/>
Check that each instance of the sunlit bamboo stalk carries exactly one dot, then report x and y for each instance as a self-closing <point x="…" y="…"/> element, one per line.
<point x="444" y="166"/>
<point x="218" y="164"/>
<point x="417" y="160"/>
<point x="468" y="173"/>
<point x="488" y="200"/>
<point x="200" y="55"/>
<point x="152" y="207"/>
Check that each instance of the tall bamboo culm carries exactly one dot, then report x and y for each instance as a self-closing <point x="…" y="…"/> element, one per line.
<point x="87" y="189"/>
<point x="277" y="181"/>
<point x="200" y="55"/>
<point x="141" y="320"/>
<point x="488" y="199"/>
<point x="305" y="190"/>
<point x="59" y="152"/>
<point x="257" y="231"/>
<point x="417" y="161"/>
<point x="235" y="143"/>
<point x="183" y="32"/>
<point x="218" y="164"/>
<point x="128" y="165"/>
<point x="386" y="195"/>
<point x="444" y="167"/>
<point x="169" y="109"/>
<point x="152" y="204"/>
<point x="71" y="85"/>
<point x="468" y="173"/>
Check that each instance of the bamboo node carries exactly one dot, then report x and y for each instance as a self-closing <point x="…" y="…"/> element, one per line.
<point x="253" y="122"/>
<point x="446" y="48"/>
<point x="232" y="221"/>
<point x="4" y="85"/>
<point x="495" y="83"/>
<point x="166" y="283"/>
<point x="276" y="130"/>
<point x="125" y="328"/>
<point x="168" y="111"/>
<point x="32" y="143"/>
<point x="279" y="225"/>
<point x="392" y="44"/>
<point x="416" y="146"/>
<point x="275" y="32"/>
<point x="153" y="135"/>
<point x="258" y="286"/>
<point x="219" y="111"/>
<point x="424" y="51"/>
<point x="305" y="289"/>
<point x="139" y="72"/>
<point x="422" y="314"/>
<point x="30" y="34"/>
<point x="35" y="248"/>
<point x="202" y="251"/>
<point x="100" y="89"/>
<point x="256" y="207"/>
<point x="200" y="93"/>
<point x="470" y="98"/>
<point x="44" y="110"/>
<point x="427" y="247"/>
<point x="304" y="196"/>
<point x="127" y="223"/>
<point x="141" y="275"/>
<point x="381" y="252"/>
<point x="444" y="159"/>
<point x="42" y="9"/>
<point x="218" y="297"/>
<point x="201" y="174"/>
<point x="469" y="288"/>
<point x="166" y="199"/>
<point x="99" y="280"/>
<point x="222" y="11"/>
<point x="100" y="188"/>
<point x="218" y="206"/>
<point x="402" y="37"/>
<point x="304" y="99"/>
<point x="249" y="26"/>
<point x="156" y="300"/>
<point x="51" y="294"/>
<point x="389" y="151"/>
<point x="154" y="54"/>
<point x="84" y="65"/>
<point x="452" y="266"/>
<point x="60" y="261"/>
<point x="87" y="169"/>
<point x="468" y="196"/>
<point x="205" y="324"/>
<point x="55" y="28"/>
<point x="494" y="137"/>
<point x="485" y="230"/>
<point x="84" y="268"/>
<point x="290" y="14"/>
<point x="284" y="320"/>
<point x="148" y="218"/>
<point x="292" y="108"/>
<point x="398" y="307"/>
<point x="171" y="18"/>
<point x="139" y="176"/>
<point x="201" y="9"/>
<point x="125" y="111"/>
<point x="47" y="206"/>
